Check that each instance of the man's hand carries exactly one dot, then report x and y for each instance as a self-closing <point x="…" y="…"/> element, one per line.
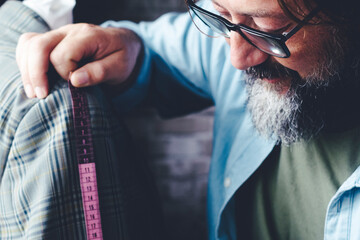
<point x="109" y="55"/>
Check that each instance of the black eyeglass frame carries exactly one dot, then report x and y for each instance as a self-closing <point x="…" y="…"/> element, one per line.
<point x="279" y="38"/>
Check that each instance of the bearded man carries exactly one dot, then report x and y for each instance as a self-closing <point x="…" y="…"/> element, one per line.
<point x="284" y="79"/>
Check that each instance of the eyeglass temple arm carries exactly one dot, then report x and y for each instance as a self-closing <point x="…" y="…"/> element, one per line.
<point x="302" y="23"/>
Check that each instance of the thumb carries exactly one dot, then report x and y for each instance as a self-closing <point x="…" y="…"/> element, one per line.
<point x="113" y="69"/>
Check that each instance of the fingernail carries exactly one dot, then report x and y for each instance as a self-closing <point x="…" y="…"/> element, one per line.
<point x="29" y="91"/>
<point x="40" y="92"/>
<point x="80" y="78"/>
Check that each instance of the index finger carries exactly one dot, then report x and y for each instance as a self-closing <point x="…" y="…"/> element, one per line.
<point x="40" y="47"/>
<point x="21" y="60"/>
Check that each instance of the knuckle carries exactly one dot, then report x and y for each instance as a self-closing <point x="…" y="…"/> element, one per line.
<point x="57" y="56"/>
<point x="61" y="62"/>
<point x="38" y="43"/>
<point x="25" y="37"/>
<point x="87" y="28"/>
<point x="60" y="54"/>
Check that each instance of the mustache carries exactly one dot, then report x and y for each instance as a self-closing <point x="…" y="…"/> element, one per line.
<point x="270" y="69"/>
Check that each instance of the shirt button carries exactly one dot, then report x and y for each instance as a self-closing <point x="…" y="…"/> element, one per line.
<point x="227" y="182"/>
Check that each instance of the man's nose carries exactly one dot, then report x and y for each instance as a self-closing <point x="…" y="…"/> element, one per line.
<point x="244" y="55"/>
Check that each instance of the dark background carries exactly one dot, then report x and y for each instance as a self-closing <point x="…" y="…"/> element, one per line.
<point x="135" y="10"/>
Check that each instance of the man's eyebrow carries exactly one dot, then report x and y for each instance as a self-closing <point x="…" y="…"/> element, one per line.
<point x="259" y="13"/>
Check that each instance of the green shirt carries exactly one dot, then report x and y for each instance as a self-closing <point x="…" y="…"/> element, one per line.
<point x="287" y="197"/>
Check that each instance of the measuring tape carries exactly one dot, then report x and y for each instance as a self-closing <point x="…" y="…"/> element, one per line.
<point x="86" y="163"/>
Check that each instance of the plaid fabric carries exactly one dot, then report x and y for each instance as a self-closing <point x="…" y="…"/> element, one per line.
<point x="40" y="196"/>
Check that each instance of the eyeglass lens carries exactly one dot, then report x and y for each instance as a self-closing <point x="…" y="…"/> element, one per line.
<point x="214" y="24"/>
<point x="263" y="43"/>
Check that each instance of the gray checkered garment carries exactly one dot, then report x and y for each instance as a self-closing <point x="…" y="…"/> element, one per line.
<point x="39" y="185"/>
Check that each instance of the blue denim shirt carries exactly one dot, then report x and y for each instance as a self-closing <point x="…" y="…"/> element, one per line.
<point x="177" y="57"/>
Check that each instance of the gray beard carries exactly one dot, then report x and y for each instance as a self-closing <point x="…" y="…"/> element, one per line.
<point x="326" y="100"/>
<point x="302" y="112"/>
<point x="278" y="116"/>
<point x="308" y="107"/>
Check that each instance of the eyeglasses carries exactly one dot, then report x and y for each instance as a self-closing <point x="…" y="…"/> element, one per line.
<point x="270" y="43"/>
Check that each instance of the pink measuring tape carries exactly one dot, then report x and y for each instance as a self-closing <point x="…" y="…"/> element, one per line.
<point x="86" y="163"/>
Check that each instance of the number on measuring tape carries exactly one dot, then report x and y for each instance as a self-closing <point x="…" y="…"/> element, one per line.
<point x="86" y="164"/>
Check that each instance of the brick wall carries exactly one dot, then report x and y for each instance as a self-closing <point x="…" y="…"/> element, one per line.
<point x="178" y="150"/>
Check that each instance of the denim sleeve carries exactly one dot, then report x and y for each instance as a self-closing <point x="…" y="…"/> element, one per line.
<point x="174" y="75"/>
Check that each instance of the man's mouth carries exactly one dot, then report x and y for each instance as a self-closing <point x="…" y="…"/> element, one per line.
<point x="272" y="72"/>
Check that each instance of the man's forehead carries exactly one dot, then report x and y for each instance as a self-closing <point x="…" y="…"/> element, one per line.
<point x="254" y="8"/>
